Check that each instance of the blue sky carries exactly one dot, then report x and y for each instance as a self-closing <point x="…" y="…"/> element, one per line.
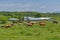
<point x="30" y="5"/>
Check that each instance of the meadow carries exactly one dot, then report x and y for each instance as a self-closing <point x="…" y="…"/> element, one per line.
<point x="36" y="32"/>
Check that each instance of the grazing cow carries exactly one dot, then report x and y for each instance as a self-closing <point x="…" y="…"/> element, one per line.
<point x="42" y="23"/>
<point x="8" y="26"/>
<point x="28" y="24"/>
<point x="33" y="23"/>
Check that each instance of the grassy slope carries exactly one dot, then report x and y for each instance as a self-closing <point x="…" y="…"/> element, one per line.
<point x="36" y="32"/>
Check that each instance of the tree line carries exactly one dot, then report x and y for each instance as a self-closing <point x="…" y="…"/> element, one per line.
<point x="4" y="16"/>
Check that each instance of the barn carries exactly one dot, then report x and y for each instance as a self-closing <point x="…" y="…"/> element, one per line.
<point x="37" y="19"/>
<point x="13" y="19"/>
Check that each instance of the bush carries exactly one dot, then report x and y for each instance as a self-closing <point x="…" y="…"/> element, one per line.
<point x="38" y="15"/>
<point x="3" y="22"/>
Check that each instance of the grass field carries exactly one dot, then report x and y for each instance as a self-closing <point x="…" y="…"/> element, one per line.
<point x="36" y="32"/>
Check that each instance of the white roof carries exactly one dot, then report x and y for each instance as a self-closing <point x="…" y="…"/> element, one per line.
<point x="41" y="18"/>
<point x="13" y="19"/>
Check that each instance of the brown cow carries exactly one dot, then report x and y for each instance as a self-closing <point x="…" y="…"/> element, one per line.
<point x="42" y="23"/>
<point x="28" y="24"/>
<point x="33" y="23"/>
<point x="7" y="26"/>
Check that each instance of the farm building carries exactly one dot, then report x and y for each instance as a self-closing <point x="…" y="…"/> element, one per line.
<point x="36" y="19"/>
<point x="13" y="19"/>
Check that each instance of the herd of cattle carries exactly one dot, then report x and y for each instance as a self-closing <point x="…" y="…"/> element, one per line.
<point x="30" y="24"/>
<point x="41" y="23"/>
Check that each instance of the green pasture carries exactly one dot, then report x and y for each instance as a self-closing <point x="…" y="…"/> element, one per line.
<point x="36" y="32"/>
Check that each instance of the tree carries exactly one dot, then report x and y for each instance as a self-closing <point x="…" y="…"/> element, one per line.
<point x="5" y="18"/>
<point x="38" y="15"/>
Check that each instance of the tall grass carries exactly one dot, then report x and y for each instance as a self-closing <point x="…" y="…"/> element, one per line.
<point x="36" y="32"/>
